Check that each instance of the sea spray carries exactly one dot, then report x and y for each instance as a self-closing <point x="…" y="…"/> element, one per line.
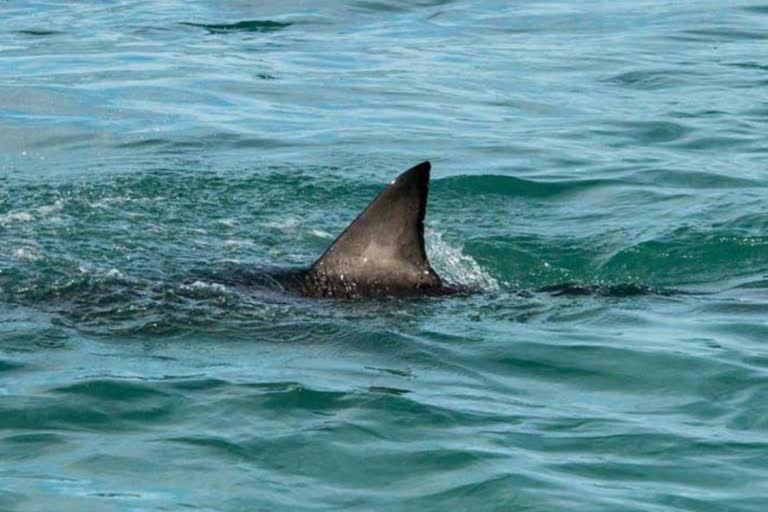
<point x="456" y="267"/>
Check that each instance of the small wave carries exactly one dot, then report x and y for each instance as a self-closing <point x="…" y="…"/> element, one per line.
<point x="100" y="275"/>
<point x="321" y="234"/>
<point x="721" y="34"/>
<point x="648" y="79"/>
<point x="238" y="243"/>
<point x="241" y="26"/>
<point x="647" y="132"/>
<point x="756" y="9"/>
<point x="618" y="290"/>
<point x="37" y="32"/>
<point x="457" y="267"/>
<point x="230" y="223"/>
<point x="689" y="256"/>
<point x="286" y="224"/>
<point x="108" y="202"/>
<point x="27" y="254"/>
<point x="113" y="273"/>
<point x="10" y="366"/>
<point x="691" y="179"/>
<point x="511" y="186"/>
<point x="103" y="388"/>
<point x="12" y="217"/>
<point x="397" y="6"/>
<point x="198" y="286"/>
<point x="41" y="212"/>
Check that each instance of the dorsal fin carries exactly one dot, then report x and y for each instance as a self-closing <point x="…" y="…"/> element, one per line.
<point x="382" y="251"/>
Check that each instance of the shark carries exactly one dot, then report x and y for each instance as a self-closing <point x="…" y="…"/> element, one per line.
<point x="381" y="253"/>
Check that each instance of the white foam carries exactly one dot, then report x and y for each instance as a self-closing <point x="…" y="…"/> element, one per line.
<point x="230" y="223"/>
<point x="16" y="217"/>
<point x="28" y="216"/>
<point x="321" y="234"/>
<point x="106" y="202"/>
<point x="455" y="266"/>
<point x="27" y="254"/>
<point x="49" y="209"/>
<point x="286" y="225"/>
<point x="238" y="243"/>
<point x="113" y="273"/>
<point x="202" y="285"/>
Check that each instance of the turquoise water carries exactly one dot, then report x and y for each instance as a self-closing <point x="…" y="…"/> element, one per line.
<point x="618" y="145"/>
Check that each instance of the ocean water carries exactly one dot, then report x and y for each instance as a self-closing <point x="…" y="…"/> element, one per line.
<point x="620" y="146"/>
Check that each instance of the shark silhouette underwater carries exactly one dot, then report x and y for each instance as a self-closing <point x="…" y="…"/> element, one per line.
<point x="380" y="254"/>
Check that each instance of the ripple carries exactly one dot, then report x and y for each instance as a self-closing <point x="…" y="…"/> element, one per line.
<point x="619" y="290"/>
<point x="717" y="143"/>
<point x="757" y="9"/>
<point x="650" y="80"/>
<point x="111" y="389"/>
<point x="511" y="186"/>
<point x="689" y="256"/>
<point x="38" y="33"/>
<point x="397" y="5"/>
<point x="222" y="447"/>
<point x="23" y="447"/>
<point x="692" y="179"/>
<point x="723" y="35"/>
<point x="257" y="26"/>
<point x="10" y="366"/>
<point x="750" y="65"/>
<point x="502" y="486"/>
<point x="277" y="396"/>
<point x="648" y="132"/>
<point x="91" y="405"/>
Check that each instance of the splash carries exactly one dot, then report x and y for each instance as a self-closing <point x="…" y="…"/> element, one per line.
<point x="27" y="254"/>
<point x="455" y="266"/>
<point x="198" y="286"/>
<point x="41" y="212"/>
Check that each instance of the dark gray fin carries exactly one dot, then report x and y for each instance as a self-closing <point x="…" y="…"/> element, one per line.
<point x="382" y="251"/>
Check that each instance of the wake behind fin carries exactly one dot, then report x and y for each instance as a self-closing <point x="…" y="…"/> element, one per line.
<point x="382" y="251"/>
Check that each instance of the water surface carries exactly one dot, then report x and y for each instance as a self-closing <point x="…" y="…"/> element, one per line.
<point x="617" y="145"/>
